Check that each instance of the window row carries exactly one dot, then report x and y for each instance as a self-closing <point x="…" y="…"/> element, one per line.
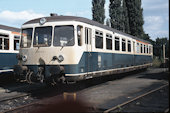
<point x="143" y="48"/>
<point x="63" y="36"/>
<point x="4" y="42"/>
<point x="125" y="44"/>
<point x="99" y="42"/>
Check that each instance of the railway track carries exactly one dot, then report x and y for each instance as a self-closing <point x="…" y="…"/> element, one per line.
<point x="119" y="108"/>
<point x="124" y="107"/>
<point x="19" y="99"/>
<point x="40" y="103"/>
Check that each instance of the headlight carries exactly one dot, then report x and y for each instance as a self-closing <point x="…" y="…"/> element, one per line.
<point x="24" y="58"/>
<point x="42" y="21"/>
<point x="60" y="58"/>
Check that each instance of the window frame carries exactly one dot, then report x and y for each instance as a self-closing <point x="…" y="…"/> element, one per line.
<point x="4" y="37"/>
<point x="117" y="41"/>
<point x="109" y="37"/>
<point x="80" y="38"/>
<point x="99" y="37"/>
<point x="16" y="38"/>
<point x="55" y="45"/>
<point x="34" y="37"/>
<point x="21" y="38"/>
<point x="123" y="45"/>
<point x="88" y="35"/>
<point x="129" y="43"/>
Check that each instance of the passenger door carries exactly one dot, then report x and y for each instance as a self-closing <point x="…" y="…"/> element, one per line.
<point x="88" y="43"/>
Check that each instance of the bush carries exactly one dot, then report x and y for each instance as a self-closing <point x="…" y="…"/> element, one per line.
<point x="156" y="61"/>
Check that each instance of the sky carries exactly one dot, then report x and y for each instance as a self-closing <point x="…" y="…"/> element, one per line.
<point x="15" y="12"/>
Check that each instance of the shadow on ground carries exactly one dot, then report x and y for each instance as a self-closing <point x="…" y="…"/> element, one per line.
<point x="45" y="91"/>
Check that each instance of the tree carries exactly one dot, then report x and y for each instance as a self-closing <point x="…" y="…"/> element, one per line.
<point x="135" y="14"/>
<point x="158" y="47"/>
<point x="98" y="11"/>
<point x="116" y="14"/>
<point x="125" y="18"/>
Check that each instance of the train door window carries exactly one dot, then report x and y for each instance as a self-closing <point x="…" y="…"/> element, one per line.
<point x="117" y="44"/>
<point x="129" y="46"/>
<point x="123" y="45"/>
<point x="16" y="42"/>
<point x="99" y="39"/>
<point x="109" y="41"/>
<point x="88" y="33"/>
<point x="79" y="35"/>
<point x="141" y="48"/>
<point x="144" y="49"/>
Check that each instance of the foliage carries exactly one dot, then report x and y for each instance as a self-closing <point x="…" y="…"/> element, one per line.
<point x="156" y="62"/>
<point x="116" y="15"/>
<point x="98" y="11"/>
<point x="125" y="18"/>
<point x="135" y="14"/>
<point x="158" y="47"/>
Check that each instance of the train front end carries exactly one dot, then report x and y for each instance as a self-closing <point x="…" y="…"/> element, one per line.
<point x="46" y="49"/>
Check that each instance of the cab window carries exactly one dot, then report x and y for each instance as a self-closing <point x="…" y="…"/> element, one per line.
<point x="26" y="38"/>
<point x="64" y="35"/>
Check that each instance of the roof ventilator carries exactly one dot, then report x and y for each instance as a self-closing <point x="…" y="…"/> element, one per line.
<point x="53" y="14"/>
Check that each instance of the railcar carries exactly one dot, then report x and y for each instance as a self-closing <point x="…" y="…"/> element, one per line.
<point x="68" y="49"/>
<point x="9" y="47"/>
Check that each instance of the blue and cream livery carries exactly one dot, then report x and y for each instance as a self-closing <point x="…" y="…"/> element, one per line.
<point x="9" y="47"/>
<point x="67" y="49"/>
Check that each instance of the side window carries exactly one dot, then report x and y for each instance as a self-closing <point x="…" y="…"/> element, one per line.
<point x="88" y="33"/>
<point x="16" y="42"/>
<point x="117" y="44"/>
<point x="129" y="46"/>
<point x="141" y="48"/>
<point x="99" y="39"/>
<point x="123" y="45"/>
<point x="109" y="41"/>
<point x="138" y="48"/>
<point x="144" y="48"/>
<point x="4" y="42"/>
<point x="79" y="35"/>
<point x="147" y="49"/>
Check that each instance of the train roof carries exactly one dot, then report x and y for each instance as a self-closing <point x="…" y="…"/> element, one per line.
<point x="4" y="27"/>
<point x="81" y="19"/>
